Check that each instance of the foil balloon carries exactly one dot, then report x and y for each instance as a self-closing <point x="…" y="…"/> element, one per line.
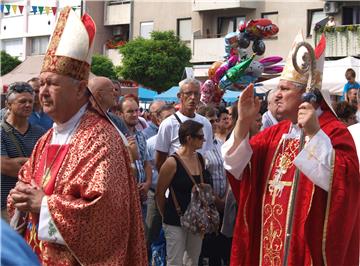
<point x="218" y="94"/>
<point x="207" y="91"/>
<point x="220" y="72"/>
<point x="213" y="68"/>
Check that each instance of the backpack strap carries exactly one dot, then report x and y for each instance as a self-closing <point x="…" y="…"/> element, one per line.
<point x="9" y="131"/>
<point x="177" y="118"/>
<point x="188" y="171"/>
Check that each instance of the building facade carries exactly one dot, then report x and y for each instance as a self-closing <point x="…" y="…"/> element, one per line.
<point x="202" y="24"/>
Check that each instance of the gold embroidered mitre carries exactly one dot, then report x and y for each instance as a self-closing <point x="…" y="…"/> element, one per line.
<point x="70" y="47"/>
<point x="289" y="73"/>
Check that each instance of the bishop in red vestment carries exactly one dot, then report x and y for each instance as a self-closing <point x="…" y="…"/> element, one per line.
<point x="261" y="172"/>
<point x="77" y="192"/>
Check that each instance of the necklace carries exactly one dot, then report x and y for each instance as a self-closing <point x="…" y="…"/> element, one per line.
<point x="46" y="177"/>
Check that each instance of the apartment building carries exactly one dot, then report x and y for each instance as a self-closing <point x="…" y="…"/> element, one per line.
<point x="202" y="24"/>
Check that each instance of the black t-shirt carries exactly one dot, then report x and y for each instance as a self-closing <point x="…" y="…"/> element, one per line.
<point x="182" y="186"/>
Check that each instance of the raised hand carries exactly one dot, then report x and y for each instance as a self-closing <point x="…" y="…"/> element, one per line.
<point x="248" y="105"/>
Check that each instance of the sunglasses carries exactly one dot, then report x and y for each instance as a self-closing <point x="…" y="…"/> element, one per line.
<point x="18" y="87"/>
<point x="198" y="136"/>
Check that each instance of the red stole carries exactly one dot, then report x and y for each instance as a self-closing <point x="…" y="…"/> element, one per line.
<point x="45" y="177"/>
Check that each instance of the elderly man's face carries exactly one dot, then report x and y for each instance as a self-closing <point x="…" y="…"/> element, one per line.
<point x="190" y="97"/>
<point x="288" y="99"/>
<point x="21" y="104"/>
<point x="58" y="95"/>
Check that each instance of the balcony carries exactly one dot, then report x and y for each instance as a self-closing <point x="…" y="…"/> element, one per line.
<point x="205" y="5"/>
<point x="208" y="50"/>
<point x="341" y="41"/>
<point x="117" y="13"/>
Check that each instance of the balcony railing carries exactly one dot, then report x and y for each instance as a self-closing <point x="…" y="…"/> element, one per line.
<point x="341" y="40"/>
<point x="117" y="13"/>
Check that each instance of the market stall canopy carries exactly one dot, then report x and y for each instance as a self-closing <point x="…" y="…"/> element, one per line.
<point x="28" y="69"/>
<point x="171" y="95"/>
<point x="146" y="95"/>
<point x="333" y="76"/>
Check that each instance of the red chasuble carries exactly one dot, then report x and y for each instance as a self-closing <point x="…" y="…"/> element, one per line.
<point x="326" y="224"/>
<point x="45" y="178"/>
<point x="92" y="197"/>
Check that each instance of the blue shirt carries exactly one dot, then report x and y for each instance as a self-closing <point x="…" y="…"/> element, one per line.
<point x="150" y="145"/>
<point x="8" y="149"/>
<point x="348" y="86"/>
<point x="41" y="119"/>
<point x="151" y="130"/>
<point x="14" y="249"/>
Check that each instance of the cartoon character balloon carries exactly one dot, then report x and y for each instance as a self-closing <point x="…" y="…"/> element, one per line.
<point x="240" y="68"/>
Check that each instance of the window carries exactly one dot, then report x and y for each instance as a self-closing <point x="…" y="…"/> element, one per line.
<point x="146" y="28"/>
<point x="184" y="29"/>
<point x="39" y="45"/>
<point x="273" y="16"/>
<point x="14" y="47"/>
<point x="118" y="2"/>
<point x="314" y="16"/>
<point x="228" y="24"/>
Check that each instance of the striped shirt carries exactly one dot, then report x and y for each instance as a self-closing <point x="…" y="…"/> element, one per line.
<point x="214" y="163"/>
<point x="8" y="149"/>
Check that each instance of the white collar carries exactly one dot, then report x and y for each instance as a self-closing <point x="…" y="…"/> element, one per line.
<point x="63" y="132"/>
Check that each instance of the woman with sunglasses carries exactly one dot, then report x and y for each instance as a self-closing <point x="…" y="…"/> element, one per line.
<point x="183" y="247"/>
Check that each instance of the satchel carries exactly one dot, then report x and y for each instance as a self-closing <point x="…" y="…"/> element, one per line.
<point x="201" y="215"/>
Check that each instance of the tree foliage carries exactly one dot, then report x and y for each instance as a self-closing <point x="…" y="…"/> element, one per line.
<point x="103" y="66"/>
<point x="8" y="63"/>
<point x="156" y="63"/>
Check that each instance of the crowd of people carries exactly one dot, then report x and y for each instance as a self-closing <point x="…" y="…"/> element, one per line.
<point x="86" y="180"/>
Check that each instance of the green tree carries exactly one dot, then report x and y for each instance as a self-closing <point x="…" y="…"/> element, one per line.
<point x="102" y="66"/>
<point x="157" y="63"/>
<point x="8" y="63"/>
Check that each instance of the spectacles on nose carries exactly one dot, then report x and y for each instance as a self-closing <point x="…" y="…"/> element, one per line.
<point x="198" y="136"/>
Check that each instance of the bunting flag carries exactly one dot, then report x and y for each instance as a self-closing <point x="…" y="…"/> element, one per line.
<point x="14" y="8"/>
<point x="21" y="8"/>
<point x="74" y="8"/>
<point x="35" y="9"/>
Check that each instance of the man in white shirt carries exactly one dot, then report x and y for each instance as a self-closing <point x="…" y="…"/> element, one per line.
<point x="168" y="138"/>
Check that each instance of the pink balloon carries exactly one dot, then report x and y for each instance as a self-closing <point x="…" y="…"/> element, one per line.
<point x="270" y="60"/>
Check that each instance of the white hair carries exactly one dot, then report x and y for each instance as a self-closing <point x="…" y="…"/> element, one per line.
<point x="188" y="81"/>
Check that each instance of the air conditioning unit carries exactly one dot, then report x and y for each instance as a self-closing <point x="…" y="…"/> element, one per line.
<point x="331" y="7"/>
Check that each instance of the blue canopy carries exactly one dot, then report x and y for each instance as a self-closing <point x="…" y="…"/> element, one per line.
<point x="168" y="96"/>
<point x="171" y="95"/>
<point x="146" y="95"/>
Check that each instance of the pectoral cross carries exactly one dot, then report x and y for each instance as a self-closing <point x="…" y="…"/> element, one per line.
<point x="276" y="187"/>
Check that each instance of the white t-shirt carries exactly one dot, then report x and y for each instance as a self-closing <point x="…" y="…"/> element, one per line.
<point x="355" y="132"/>
<point x="168" y="135"/>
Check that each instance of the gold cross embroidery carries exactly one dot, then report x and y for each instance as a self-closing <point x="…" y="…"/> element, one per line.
<point x="275" y="190"/>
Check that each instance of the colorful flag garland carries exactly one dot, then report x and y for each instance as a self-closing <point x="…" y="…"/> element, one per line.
<point x="34" y="9"/>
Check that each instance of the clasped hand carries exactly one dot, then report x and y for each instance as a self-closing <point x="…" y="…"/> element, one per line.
<point x="27" y="197"/>
<point x="307" y="119"/>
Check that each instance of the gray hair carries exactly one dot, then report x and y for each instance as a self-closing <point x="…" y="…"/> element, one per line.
<point x="17" y="88"/>
<point x="189" y="81"/>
